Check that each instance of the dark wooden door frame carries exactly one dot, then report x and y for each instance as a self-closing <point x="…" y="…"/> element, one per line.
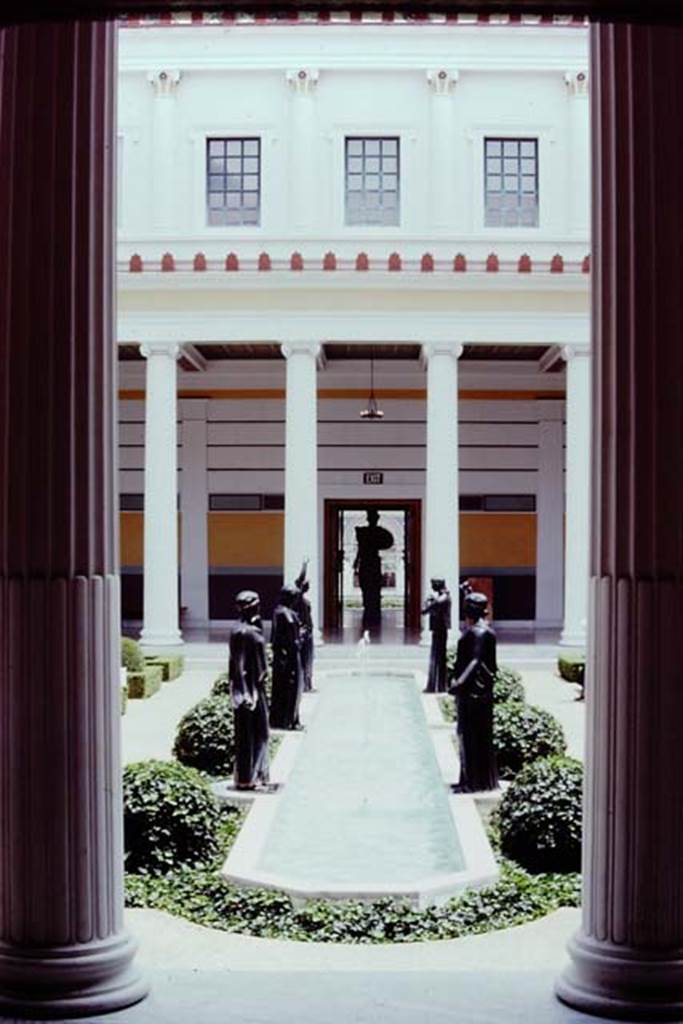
<point x="332" y="507"/>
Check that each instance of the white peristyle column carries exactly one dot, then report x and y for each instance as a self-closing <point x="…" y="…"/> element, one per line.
<point x="549" y="515"/>
<point x="578" y="193"/>
<point x="160" y="616"/>
<point x="301" y="467"/>
<point x="577" y="498"/>
<point x="194" y="577"/>
<point x="303" y="178"/>
<point x="164" y="194"/>
<point x="442" y="147"/>
<point x="441" y="547"/>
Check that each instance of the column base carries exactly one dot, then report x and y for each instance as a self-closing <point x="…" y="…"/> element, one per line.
<point x="70" y="981"/>
<point x="160" y="641"/>
<point x="575" y="640"/>
<point x="610" y="980"/>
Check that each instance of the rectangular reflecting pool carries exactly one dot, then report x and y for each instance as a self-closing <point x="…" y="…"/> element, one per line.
<point x="365" y="809"/>
<point x="365" y="802"/>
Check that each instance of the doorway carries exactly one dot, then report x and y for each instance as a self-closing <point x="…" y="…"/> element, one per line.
<point x="400" y="570"/>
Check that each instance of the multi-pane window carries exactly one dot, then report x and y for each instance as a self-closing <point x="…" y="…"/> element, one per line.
<point x="372" y="180"/>
<point x="511" y="183"/>
<point x="233" y="181"/>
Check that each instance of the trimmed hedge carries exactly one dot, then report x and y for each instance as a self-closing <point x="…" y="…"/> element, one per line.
<point x="132" y="657"/>
<point x="571" y="665"/>
<point x="523" y="733"/>
<point x="170" y="817"/>
<point x="171" y="665"/>
<point x="142" y="685"/>
<point x="540" y="816"/>
<point x="206" y="738"/>
<point x="508" y="686"/>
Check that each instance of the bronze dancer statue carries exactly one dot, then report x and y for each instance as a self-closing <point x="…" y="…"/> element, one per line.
<point x="371" y="539"/>
<point x="474" y="675"/>
<point x="287" y="675"/>
<point x="247" y="674"/>
<point x="438" y="608"/>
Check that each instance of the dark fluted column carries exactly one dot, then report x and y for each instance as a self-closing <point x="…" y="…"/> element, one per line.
<point x="628" y="955"/>
<point x="62" y="947"/>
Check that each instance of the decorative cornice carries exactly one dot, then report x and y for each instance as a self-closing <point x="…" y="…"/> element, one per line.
<point x="442" y="81"/>
<point x="164" y="81"/>
<point x="394" y="262"/>
<point x="303" y="81"/>
<point x="185" y="19"/>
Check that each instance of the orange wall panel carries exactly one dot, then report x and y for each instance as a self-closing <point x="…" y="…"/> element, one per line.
<point x="246" y="539"/>
<point x="131" y="526"/>
<point x="498" y="539"/>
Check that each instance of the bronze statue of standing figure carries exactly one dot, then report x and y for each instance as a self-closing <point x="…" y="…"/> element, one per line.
<point x="371" y="539"/>
<point x="438" y="608"/>
<point x="287" y="675"/>
<point x="473" y="678"/>
<point x="302" y="607"/>
<point x="247" y="675"/>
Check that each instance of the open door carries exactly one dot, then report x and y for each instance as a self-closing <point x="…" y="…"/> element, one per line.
<point x="401" y="568"/>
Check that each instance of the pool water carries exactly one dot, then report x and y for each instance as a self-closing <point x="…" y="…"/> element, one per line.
<point x="365" y="802"/>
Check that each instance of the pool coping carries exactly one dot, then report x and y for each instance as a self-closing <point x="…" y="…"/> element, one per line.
<point x="480" y="869"/>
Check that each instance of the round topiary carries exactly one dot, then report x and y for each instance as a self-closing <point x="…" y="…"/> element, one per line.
<point x="132" y="657"/>
<point x="170" y="817"/>
<point x="540" y="816"/>
<point x="206" y="737"/>
<point x="508" y="686"/>
<point x="523" y="733"/>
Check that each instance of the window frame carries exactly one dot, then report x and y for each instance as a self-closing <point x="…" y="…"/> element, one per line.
<point x="225" y="156"/>
<point x="518" y="157"/>
<point x="356" y="137"/>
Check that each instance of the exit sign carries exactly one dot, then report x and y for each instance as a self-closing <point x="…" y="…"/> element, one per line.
<point x="374" y="477"/>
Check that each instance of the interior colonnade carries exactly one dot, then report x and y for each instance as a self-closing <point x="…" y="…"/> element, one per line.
<point x="63" y="949"/>
<point x="559" y="506"/>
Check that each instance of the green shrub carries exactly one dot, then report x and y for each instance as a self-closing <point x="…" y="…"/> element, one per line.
<point x="523" y="733"/>
<point x="171" y="665"/>
<point x="170" y="817"/>
<point x="206" y="898"/>
<point x="540" y="816"/>
<point x="206" y="738"/>
<point x="508" y="686"/>
<point x="142" y="685"/>
<point x="571" y="666"/>
<point x="132" y="657"/>
<point x="221" y="686"/>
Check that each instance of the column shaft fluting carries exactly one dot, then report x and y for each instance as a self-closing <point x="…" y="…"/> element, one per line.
<point x="577" y="498"/>
<point x="160" y="622"/>
<point x="301" y="467"/>
<point x="441" y="547"/>
<point x="62" y="947"/>
<point x="627" y="956"/>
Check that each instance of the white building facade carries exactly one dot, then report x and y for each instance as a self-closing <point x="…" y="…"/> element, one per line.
<point x="302" y="205"/>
